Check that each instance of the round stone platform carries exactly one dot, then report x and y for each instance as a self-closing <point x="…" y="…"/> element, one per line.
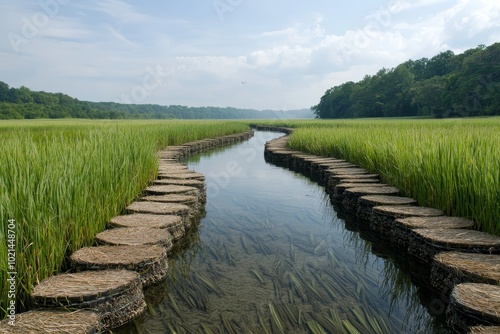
<point x="173" y="168"/>
<point x="190" y="201"/>
<point x="351" y="195"/>
<point x="366" y="203"/>
<point x="474" y="304"/>
<point x="115" y="295"/>
<point x="425" y="243"/>
<point x="173" y="224"/>
<point x="335" y="180"/>
<point x="181" y="176"/>
<point x="133" y="236"/>
<point x="149" y="261"/>
<point x="338" y="192"/>
<point x="452" y="268"/>
<point x="159" y="208"/>
<point x="484" y="330"/>
<point x="173" y="189"/>
<point x="189" y="183"/>
<point x="382" y="218"/>
<point x="339" y="172"/>
<point x="402" y="227"/>
<point x="53" y="322"/>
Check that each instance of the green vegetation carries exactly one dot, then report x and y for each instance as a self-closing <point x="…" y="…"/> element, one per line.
<point x="446" y="164"/>
<point x="63" y="180"/>
<point x="446" y="85"/>
<point x="23" y="103"/>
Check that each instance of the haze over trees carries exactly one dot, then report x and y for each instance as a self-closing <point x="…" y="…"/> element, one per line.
<point x="447" y="85"/>
<point x="23" y="103"/>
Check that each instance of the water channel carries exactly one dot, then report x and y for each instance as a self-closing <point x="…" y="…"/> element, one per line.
<point x="272" y="255"/>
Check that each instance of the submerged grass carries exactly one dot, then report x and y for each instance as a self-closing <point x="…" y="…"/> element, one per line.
<point x="61" y="181"/>
<point x="451" y="165"/>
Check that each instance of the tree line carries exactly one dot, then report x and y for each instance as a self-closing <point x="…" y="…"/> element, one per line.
<point x="23" y="103"/>
<point x="447" y="85"/>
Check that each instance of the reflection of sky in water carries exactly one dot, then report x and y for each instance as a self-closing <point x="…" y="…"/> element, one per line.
<point x="273" y="244"/>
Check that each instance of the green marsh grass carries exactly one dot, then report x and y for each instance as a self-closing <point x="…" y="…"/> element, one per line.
<point x="452" y="164"/>
<point x="63" y="180"/>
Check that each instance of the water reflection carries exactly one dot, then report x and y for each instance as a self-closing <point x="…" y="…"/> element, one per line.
<point x="273" y="256"/>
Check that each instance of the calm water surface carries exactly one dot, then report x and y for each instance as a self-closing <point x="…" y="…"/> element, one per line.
<point x="273" y="256"/>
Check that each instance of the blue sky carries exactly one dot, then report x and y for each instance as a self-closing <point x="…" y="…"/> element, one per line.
<point x="241" y="53"/>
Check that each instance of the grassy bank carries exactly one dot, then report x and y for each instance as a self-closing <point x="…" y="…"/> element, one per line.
<point x="451" y="164"/>
<point x="61" y="181"/>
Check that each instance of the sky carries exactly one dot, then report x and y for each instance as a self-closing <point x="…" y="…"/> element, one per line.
<point x="272" y="54"/>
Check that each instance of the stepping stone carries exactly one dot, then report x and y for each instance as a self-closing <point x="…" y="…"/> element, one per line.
<point x="174" y="152"/>
<point x="170" y="168"/>
<point x="169" y="189"/>
<point x="170" y="162"/>
<point x="133" y="236"/>
<point x="335" y="163"/>
<point x="323" y="169"/>
<point x="473" y="304"/>
<point x="366" y="203"/>
<point x="301" y="155"/>
<point x="425" y="243"/>
<point x="310" y="161"/>
<point x="353" y="177"/>
<point x="179" y="148"/>
<point x="484" y="330"/>
<point x="317" y="162"/>
<point x="351" y="195"/>
<point x="339" y="190"/>
<point x="382" y="217"/>
<point x="173" y="224"/>
<point x="115" y="295"/>
<point x="452" y="268"/>
<point x="277" y="150"/>
<point x="345" y="171"/>
<point x="170" y="155"/>
<point x="190" y="183"/>
<point x="279" y="156"/>
<point x="340" y="164"/>
<point x="53" y="322"/>
<point x="322" y="160"/>
<point x="355" y="180"/>
<point x="190" y="201"/>
<point x="276" y="144"/>
<point x="402" y="227"/>
<point x="181" y="199"/>
<point x="158" y="208"/>
<point x="189" y="175"/>
<point x="297" y="160"/>
<point x="204" y="144"/>
<point x="149" y="261"/>
<point x="178" y="190"/>
<point x="333" y="180"/>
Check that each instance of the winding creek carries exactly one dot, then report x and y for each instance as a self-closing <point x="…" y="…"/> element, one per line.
<point x="273" y="255"/>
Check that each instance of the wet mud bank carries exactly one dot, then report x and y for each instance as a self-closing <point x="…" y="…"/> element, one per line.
<point x="104" y="288"/>
<point x="463" y="263"/>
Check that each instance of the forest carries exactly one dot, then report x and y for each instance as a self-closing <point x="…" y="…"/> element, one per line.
<point x="447" y="85"/>
<point x="23" y="103"/>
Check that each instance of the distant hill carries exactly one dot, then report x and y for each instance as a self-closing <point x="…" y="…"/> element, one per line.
<point x="447" y="85"/>
<point x="23" y="103"/>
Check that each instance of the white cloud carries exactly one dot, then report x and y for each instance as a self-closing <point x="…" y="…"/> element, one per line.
<point x="282" y="56"/>
<point x="101" y="50"/>
<point x="118" y="35"/>
<point x="295" y="35"/>
<point x="121" y="10"/>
